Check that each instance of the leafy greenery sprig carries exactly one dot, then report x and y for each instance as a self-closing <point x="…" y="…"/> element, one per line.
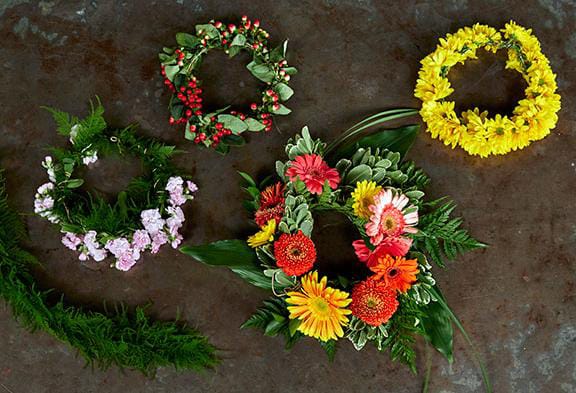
<point x="116" y="337"/>
<point x="223" y="128"/>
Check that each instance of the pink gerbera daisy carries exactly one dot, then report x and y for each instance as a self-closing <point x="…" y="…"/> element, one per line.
<point x="395" y="246"/>
<point x="314" y="172"/>
<point x="391" y="216"/>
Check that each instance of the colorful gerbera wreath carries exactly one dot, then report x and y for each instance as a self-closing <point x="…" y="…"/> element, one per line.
<point x="391" y="294"/>
<point x="144" y="217"/>
<point x="222" y="128"/>
<point x="474" y="131"/>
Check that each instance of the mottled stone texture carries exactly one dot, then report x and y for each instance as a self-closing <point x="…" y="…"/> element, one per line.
<point x="516" y="298"/>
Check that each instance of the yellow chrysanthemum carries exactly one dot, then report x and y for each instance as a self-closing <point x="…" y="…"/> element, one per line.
<point x="475" y="132"/>
<point x="265" y="235"/>
<point x="320" y="309"/>
<point x="363" y="196"/>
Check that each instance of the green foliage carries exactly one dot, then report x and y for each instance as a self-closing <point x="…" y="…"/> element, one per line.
<point x="233" y="254"/>
<point x="360" y="333"/>
<point x="273" y="319"/>
<point x="250" y="186"/>
<point x="303" y="144"/>
<point x="398" y="140"/>
<point x="297" y="215"/>
<point x="438" y="328"/>
<point x="395" y="140"/>
<point x="330" y="348"/>
<point x="127" y="340"/>
<point x="441" y="236"/>
<point x="402" y="328"/>
<point x="81" y="211"/>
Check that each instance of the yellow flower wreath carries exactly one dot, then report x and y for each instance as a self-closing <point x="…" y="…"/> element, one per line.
<point x="474" y="131"/>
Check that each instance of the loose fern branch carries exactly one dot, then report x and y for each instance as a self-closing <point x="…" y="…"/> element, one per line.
<point x="103" y="339"/>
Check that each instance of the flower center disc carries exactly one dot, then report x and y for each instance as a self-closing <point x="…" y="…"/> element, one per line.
<point x="320" y="307"/>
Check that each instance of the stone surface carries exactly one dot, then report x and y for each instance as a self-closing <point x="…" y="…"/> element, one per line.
<point x="516" y="298"/>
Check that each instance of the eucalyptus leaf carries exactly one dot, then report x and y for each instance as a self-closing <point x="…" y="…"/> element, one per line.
<point x="187" y="40"/>
<point x="284" y="91"/>
<point x="261" y="71"/>
<point x="233" y="123"/>
<point x="282" y="110"/>
<point x="171" y="70"/>
<point x="254" y="125"/>
<point x="207" y="30"/>
<point x="239" y="40"/>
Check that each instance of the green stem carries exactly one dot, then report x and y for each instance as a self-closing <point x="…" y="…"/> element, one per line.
<point x="426" y="384"/>
<point x="371" y="121"/>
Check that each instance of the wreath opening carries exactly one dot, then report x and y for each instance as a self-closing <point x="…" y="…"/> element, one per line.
<point x="144" y="217"/>
<point x="476" y="131"/>
<point x="497" y="91"/>
<point x="332" y="232"/>
<point x="223" y="127"/>
<point x="391" y="296"/>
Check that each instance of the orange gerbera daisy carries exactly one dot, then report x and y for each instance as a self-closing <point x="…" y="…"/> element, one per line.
<point x="398" y="273"/>
<point x="374" y="302"/>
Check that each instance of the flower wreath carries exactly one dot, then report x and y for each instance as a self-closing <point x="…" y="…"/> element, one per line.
<point x="392" y="295"/>
<point x="222" y="128"/>
<point x="474" y="131"/>
<point x="145" y="216"/>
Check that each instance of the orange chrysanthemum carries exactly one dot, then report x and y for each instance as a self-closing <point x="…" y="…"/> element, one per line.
<point x="271" y="204"/>
<point x="295" y="254"/>
<point x="373" y="302"/>
<point x="397" y="272"/>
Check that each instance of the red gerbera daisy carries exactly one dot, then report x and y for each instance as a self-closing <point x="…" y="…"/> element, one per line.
<point x="314" y="172"/>
<point x="373" y="302"/>
<point x="295" y="254"/>
<point x="395" y="246"/>
<point x="271" y="205"/>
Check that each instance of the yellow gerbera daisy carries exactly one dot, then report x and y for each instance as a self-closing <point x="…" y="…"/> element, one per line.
<point x="363" y="196"/>
<point x="265" y="235"/>
<point x="321" y="310"/>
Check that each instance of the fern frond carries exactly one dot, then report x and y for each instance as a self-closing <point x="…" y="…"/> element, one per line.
<point x="441" y="236"/>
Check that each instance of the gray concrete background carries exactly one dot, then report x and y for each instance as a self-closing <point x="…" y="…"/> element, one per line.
<point x="355" y="57"/>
